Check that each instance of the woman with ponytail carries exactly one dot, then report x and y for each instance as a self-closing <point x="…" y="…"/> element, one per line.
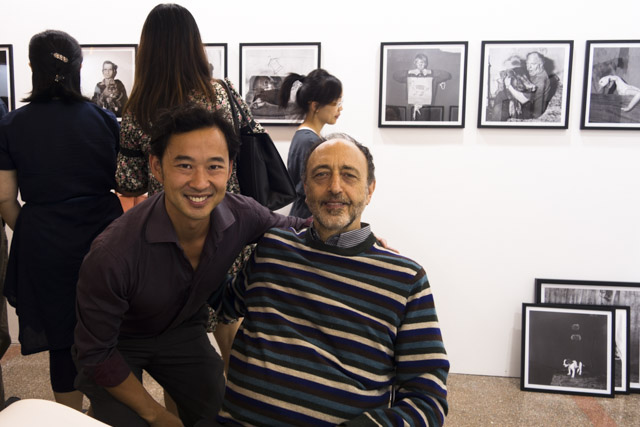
<point x="59" y="151"/>
<point x="318" y="97"/>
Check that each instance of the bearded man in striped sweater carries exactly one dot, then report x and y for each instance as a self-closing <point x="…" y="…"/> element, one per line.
<point x="337" y="329"/>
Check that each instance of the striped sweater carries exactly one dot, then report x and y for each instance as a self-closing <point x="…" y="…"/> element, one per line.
<point x="333" y="336"/>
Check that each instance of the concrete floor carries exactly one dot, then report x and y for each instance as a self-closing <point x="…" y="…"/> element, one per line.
<point x="474" y="400"/>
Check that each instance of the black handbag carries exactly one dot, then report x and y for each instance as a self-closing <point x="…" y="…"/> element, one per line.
<point x="260" y="170"/>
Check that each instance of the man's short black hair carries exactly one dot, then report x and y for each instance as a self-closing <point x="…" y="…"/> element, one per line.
<point x="187" y="118"/>
<point x="371" y="169"/>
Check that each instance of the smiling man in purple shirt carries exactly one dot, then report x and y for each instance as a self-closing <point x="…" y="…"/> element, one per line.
<point x="143" y="285"/>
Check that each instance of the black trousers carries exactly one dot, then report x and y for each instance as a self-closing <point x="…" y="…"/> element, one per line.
<point x="182" y="361"/>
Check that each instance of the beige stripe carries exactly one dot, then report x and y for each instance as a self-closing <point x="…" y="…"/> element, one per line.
<point x="336" y="277"/>
<point x="284" y="404"/>
<point x="325" y="354"/>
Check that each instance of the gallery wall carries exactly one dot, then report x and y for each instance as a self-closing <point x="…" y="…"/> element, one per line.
<point x="486" y="211"/>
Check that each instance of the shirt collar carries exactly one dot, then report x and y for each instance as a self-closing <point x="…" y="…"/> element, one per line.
<point x="348" y="239"/>
<point x="160" y="229"/>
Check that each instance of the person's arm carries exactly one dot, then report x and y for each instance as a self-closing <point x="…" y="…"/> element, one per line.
<point x="224" y="334"/>
<point x="132" y="164"/>
<point x="521" y="97"/>
<point x="422" y="366"/>
<point x="135" y="396"/>
<point x="9" y="205"/>
<point x="440" y="76"/>
<point x="101" y="304"/>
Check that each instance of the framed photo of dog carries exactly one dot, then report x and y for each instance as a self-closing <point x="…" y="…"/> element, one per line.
<point x="7" y="95"/>
<point x="611" y="95"/>
<point x="217" y="57"/>
<point x="615" y="294"/>
<point x="568" y="349"/>
<point x="107" y="75"/>
<point x="422" y="84"/>
<point x="263" y="68"/>
<point x="525" y="84"/>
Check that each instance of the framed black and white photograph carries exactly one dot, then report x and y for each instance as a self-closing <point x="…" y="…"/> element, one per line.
<point x="611" y="95"/>
<point x="422" y="84"/>
<point x="568" y="349"/>
<point x="263" y="67"/>
<point x="599" y="293"/>
<point x="217" y="56"/>
<point x="107" y="75"/>
<point x="7" y="93"/>
<point x="525" y="84"/>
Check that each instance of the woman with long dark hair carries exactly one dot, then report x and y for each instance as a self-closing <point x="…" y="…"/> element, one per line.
<point x="318" y="97"/>
<point x="59" y="151"/>
<point x="171" y="69"/>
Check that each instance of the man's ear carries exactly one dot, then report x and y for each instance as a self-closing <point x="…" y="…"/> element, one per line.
<point x="156" y="168"/>
<point x="371" y="187"/>
<point x="230" y="169"/>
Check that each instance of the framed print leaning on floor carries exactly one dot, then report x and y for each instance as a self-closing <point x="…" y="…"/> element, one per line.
<point x="585" y="292"/>
<point x="611" y="95"/>
<point x="263" y="68"/>
<point x="107" y="73"/>
<point x="525" y="84"/>
<point x="422" y="84"/>
<point x="7" y="94"/>
<point x="568" y="349"/>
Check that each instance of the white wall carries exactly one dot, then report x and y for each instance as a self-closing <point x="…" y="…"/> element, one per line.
<point x="484" y="210"/>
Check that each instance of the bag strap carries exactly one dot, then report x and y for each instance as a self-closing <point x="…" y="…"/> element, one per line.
<point x="237" y="108"/>
<point x="233" y="104"/>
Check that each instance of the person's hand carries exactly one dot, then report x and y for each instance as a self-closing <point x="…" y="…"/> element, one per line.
<point x="166" y="419"/>
<point x="427" y="72"/>
<point x="385" y="245"/>
<point x="507" y="81"/>
<point x="415" y="72"/>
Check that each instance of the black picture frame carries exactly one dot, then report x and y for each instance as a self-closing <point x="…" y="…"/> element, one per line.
<point x="263" y="67"/>
<point x="600" y="293"/>
<point x="611" y="94"/>
<point x="7" y="89"/>
<point x="422" y="84"/>
<point x="110" y="93"/>
<point x="217" y="57"/>
<point x="568" y="349"/>
<point x="511" y="96"/>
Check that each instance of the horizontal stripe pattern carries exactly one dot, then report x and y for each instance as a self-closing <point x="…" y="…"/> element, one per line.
<point x="330" y="335"/>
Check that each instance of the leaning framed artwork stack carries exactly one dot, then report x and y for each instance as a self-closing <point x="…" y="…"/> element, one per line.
<point x="624" y="299"/>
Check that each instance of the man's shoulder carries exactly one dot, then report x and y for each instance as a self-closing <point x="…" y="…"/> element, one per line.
<point x="394" y="258"/>
<point x="127" y="230"/>
<point x="242" y="206"/>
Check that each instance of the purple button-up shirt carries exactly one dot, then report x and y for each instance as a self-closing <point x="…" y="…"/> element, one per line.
<point x="136" y="282"/>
